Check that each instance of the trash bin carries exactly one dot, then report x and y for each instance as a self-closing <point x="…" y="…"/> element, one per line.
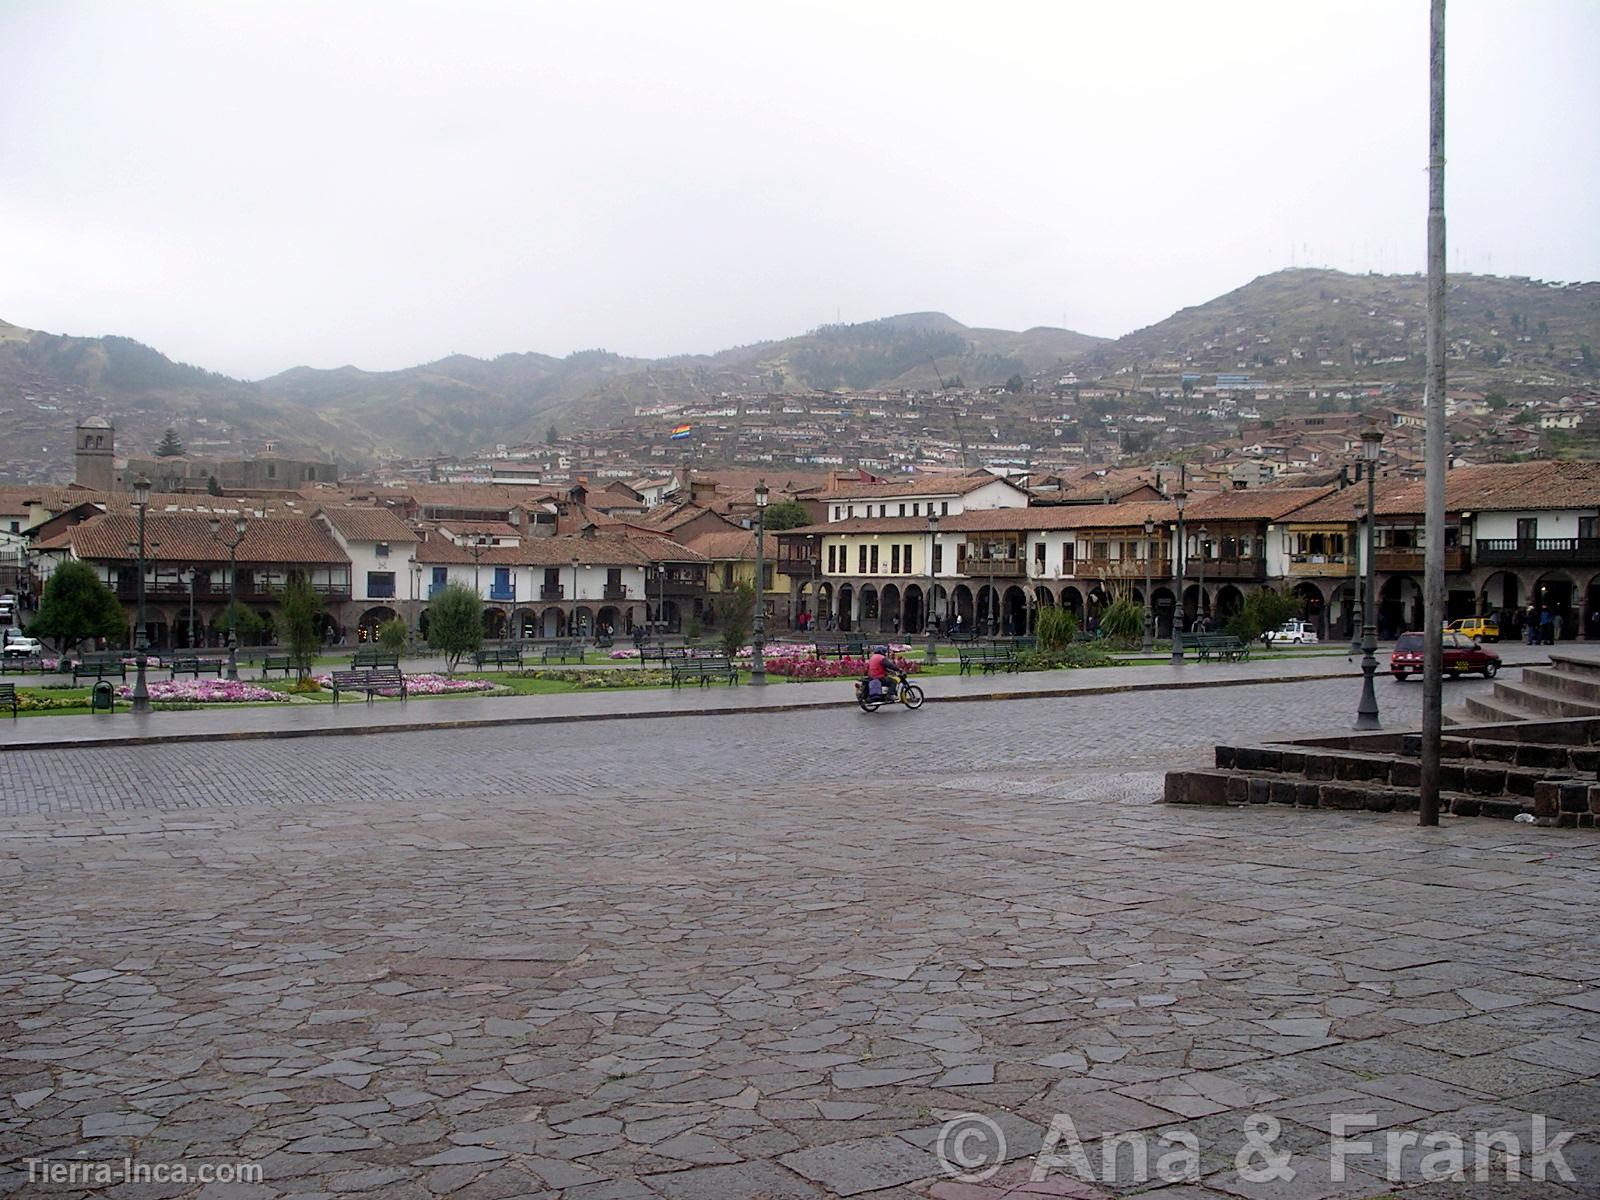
<point x="100" y="698"/>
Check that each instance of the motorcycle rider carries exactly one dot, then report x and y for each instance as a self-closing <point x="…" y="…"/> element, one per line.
<point x="880" y="672"/>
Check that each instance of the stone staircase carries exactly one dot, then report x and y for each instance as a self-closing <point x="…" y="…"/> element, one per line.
<point x="1545" y="768"/>
<point x="1568" y="687"/>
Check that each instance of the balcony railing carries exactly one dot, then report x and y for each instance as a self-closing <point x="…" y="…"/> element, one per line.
<point x="508" y="592"/>
<point x="1455" y="559"/>
<point x="975" y="568"/>
<point x="614" y="591"/>
<point x="798" y="568"/>
<point x="551" y="591"/>
<point x="1578" y="551"/>
<point x="1322" y="565"/>
<point x="1230" y="568"/>
<point x="1116" y="568"/>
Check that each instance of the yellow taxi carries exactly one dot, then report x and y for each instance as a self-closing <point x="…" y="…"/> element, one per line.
<point x="1479" y="629"/>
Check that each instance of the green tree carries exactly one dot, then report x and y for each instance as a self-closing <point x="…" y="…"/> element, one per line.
<point x="1014" y="384"/>
<point x="246" y="625"/>
<point x="735" y="610"/>
<point x="1495" y="401"/>
<point x="392" y="635"/>
<point x="1260" y="612"/>
<point x="786" y="514"/>
<point x="552" y="435"/>
<point x="455" y="624"/>
<point x="298" y="609"/>
<point x="213" y="488"/>
<point x="170" y="446"/>
<point x="77" y="606"/>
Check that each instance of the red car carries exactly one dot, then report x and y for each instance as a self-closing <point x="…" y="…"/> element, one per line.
<point x="1462" y="656"/>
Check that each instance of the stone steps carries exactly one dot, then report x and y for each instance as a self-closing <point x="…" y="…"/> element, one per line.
<point x="1568" y="687"/>
<point x="1544" y="768"/>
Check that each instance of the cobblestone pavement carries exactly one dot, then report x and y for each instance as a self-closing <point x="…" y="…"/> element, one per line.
<point x="769" y="957"/>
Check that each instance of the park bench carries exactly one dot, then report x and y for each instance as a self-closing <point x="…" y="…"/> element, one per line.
<point x="849" y="648"/>
<point x="665" y="655"/>
<point x="193" y="664"/>
<point x="561" y="651"/>
<point x="8" y="695"/>
<point x="276" y="662"/>
<point x="98" y="666"/>
<point x="372" y="656"/>
<point x="703" y="671"/>
<point x="1216" y="647"/>
<point x="372" y="680"/>
<point x="500" y="656"/>
<point x="988" y="659"/>
<point x="604" y="641"/>
<point x="21" y="664"/>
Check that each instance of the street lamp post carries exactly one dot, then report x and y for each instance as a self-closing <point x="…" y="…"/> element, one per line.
<point x="187" y="575"/>
<point x="233" y="587"/>
<point x="1200" y="586"/>
<point x="1149" y="605"/>
<point x="141" y="692"/>
<point x="572" y="621"/>
<point x="758" y="633"/>
<point x="1355" y="624"/>
<point x="1367" y="710"/>
<point x="1178" y="501"/>
<point x="932" y="655"/>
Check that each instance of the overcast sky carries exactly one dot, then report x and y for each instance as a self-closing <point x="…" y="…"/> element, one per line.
<point x="254" y="186"/>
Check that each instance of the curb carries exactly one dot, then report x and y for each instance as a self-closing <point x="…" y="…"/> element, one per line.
<point x="246" y="735"/>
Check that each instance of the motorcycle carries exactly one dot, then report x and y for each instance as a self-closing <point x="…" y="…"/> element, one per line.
<point x="905" y="692"/>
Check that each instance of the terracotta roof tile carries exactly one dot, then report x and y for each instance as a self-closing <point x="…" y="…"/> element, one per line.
<point x="183" y="538"/>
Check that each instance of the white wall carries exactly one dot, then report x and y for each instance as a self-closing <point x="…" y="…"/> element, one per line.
<point x="1553" y="523"/>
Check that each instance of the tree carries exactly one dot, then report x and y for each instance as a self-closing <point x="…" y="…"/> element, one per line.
<point x="245" y="624"/>
<point x="298" y="609"/>
<point x="1260" y="612"/>
<point x="552" y="435"/>
<point x="786" y="514"/>
<point x="392" y="635"/>
<point x="1495" y="401"/>
<point x="213" y="488"/>
<point x="170" y="446"/>
<point x="735" y="609"/>
<point x="455" y="624"/>
<point x="77" y="606"/>
<point x="1014" y="384"/>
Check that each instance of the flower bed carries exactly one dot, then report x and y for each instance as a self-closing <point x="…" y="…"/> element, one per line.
<point x="208" y="691"/>
<point x="831" y="668"/>
<point x="429" y="685"/>
<point x="590" y="680"/>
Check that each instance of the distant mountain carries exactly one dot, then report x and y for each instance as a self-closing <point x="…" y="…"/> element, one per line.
<point x="1309" y="323"/>
<point x="1299" y="323"/>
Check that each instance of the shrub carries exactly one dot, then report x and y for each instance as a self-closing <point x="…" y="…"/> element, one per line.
<point x="831" y="668"/>
<point x="1122" y="621"/>
<point x="392" y="635"/>
<point x="1067" y="657"/>
<point x="1260" y="612"/>
<point x="298" y="609"/>
<point x="1055" y="628"/>
<point x="589" y="680"/>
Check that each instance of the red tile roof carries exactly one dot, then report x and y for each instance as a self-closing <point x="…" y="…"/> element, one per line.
<point x="267" y="541"/>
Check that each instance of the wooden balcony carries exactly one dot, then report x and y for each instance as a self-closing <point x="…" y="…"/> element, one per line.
<point x="983" y="568"/>
<point x="797" y="567"/>
<point x="1322" y="566"/>
<point x="614" y="591"/>
<point x="1253" y="569"/>
<point x="1410" y="560"/>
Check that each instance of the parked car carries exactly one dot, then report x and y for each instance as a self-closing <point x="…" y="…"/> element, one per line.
<point x="23" y="647"/>
<point x="1479" y="629"/>
<point x="1462" y="656"/>
<point x="1295" y="633"/>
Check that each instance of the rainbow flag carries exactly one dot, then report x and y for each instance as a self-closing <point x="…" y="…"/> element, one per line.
<point x="679" y="432"/>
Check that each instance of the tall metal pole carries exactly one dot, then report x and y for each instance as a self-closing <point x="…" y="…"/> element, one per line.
<point x="758" y="635"/>
<point x="1367" y="709"/>
<point x="932" y="656"/>
<point x="141" y="692"/>
<point x="1149" y="604"/>
<point x="1433" y="531"/>
<point x="1200" y="586"/>
<point x="1178" y="552"/>
<point x="1360" y="584"/>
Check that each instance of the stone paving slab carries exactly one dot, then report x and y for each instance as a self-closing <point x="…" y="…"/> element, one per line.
<point x="679" y="976"/>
